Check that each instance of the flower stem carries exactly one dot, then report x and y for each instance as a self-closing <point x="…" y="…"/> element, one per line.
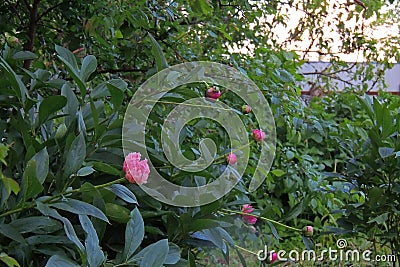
<point x="229" y="212"/>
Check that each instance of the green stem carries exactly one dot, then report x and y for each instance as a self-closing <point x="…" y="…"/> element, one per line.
<point x="58" y="196"/>
<point x="228" y="212"/>
<point x="246" y="250"/>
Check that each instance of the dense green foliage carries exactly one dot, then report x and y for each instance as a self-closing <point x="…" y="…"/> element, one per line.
<point x="64" y="200"/>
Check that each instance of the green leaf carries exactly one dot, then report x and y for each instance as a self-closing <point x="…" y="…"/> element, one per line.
<point x="380" y="219"/>
<point x="278" y="172"/>
<point x="75" y="156"/>
<point x="95" y="255"/>
<point x="10" y="232"/>
<point x="308" y="243"/>
<point x="174" y="254"/>
<point x="79" y="207"/>
<point x="155" y="254"/>
<point x="24" y="55"/>
<point x="117" y="213"/>
<point x="10" y="185"/>
<point x="68" y="228"/>
<point x="60" y="261"/>
<point x="31" y="187"/>
<point x="124" y="193"/>
<point x="49" y="106"/>
<point x="9" y="261"/>
<point x="106" y="168"/>
<point x="200" y="7"/>
<point x="42" y="165"/>
<point x="17" y="85"/>
<point x="89" y="65"/>
<point x="72" y="103"/>
<point x="85" y="171"/>
<point x="241" y="258"/>
<point x="385" y="152"/>
<point x="36" y="224"/>
<point x="134" y="234"/>
<point x="68" y="56"/>
<point x="161" y="61"/>
<point x="75" y="77"/>
<point x="273" y="230"/>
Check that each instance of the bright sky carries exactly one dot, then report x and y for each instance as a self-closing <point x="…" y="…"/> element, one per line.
<point x="335" y="11"/>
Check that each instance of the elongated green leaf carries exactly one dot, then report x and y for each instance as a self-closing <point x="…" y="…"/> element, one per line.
<point x="124" y="193"/>
<point x="36" y="224"/>
<point x="134" y="234"/>
<point x="155" y="254"/>
<point x="72" y="103"/>
<point x="75" y="77"/>
<point x="10" y="232"/>
<point x="10" y="185"/>
<point x="9" y="261"/>
<point x="273" y="230"/>
<point x="18" y="86"/>
<point x="68" y="228"/>
<point x="174" y="254"/>
<point x="79" y="207"/>
<point x="75" y="156"/>
<point x="106" y="168"/>
<point x="94" y="254"/>
<point x="161" y="61"/>
<point x="89" y="65"/>
<point x="68" y="56"/>
<point x="31" y="187"/>
<point x="241" y="258"/>
<point x="60" y="261"/>
<point x="42" y="165"/>
<point x="49" y="106"/>
<point x="117" y="213"/>
<point x="24" y="55"/>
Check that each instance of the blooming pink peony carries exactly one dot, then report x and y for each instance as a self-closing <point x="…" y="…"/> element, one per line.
<point x="231" y="159"/>
<point x="258" y="135"/>
<point x="213" y="92"/>
<point x="308" y="230"/>
<point x="247" y="208"/>
<point x="136" y="170"/>
<point x="246" y="109"/>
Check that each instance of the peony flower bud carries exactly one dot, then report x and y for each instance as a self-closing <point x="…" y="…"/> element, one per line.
<point x="258" y="135"/>
<point x="231" y="159"/>
<point x="246" y="109"/>
<point x="213" y="92"/>
<point x="308" y="230"/>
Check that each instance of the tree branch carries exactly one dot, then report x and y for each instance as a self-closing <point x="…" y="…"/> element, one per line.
<point x="48" y="11"/>
<point x="31" y="30"/>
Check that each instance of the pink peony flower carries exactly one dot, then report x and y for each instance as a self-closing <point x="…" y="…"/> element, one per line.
<point x="213" y="92"/>
<point x="246" y="109"/>
<point x="308" y="230"/>
<point x="136" y="170"/>
<point x="247" y="208"/>
<point x="258" y="135"/>
<point x="231" y="159"/>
